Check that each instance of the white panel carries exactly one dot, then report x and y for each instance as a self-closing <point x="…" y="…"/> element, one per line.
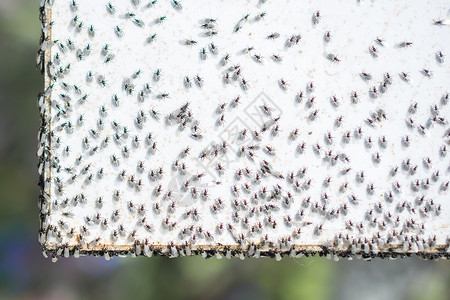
<point x="405" y="212"/>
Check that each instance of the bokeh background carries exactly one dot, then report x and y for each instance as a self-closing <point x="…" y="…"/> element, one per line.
<point x="26" y="274"/>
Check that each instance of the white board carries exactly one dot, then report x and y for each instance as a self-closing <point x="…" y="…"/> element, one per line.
<point x="266" y="193"/>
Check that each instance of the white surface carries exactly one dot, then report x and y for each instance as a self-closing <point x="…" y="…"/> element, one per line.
<point x="353" y="25"/>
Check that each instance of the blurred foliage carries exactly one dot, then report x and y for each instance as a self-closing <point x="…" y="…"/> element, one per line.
<point x="25" y="274"/>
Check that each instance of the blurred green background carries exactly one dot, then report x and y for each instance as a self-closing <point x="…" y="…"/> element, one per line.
<point x="26" y="274"/>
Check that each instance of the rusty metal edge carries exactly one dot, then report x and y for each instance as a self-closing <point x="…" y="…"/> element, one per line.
<point x="44" y="57"/>
<point x="207" y="251"/>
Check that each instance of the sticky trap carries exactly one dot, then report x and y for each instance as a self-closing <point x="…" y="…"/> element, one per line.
<point x="244" y="128"/>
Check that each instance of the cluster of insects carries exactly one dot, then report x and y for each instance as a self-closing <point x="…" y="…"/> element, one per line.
<point x="131" y="160"/>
